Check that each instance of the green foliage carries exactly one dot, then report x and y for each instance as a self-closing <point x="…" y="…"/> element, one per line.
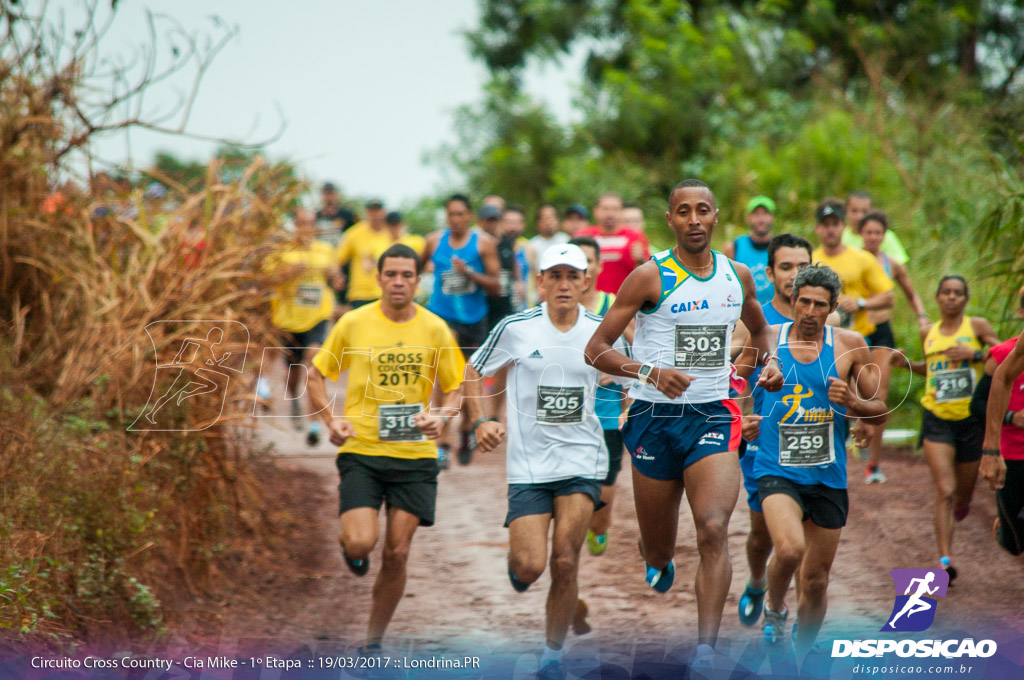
<point x="917" y="103"/>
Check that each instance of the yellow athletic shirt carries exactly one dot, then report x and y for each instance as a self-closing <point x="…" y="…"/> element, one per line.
<point x="303" y="302"/>
<point x="861" y="275"/>
<point x="950" y="383"/>
<point x="360" y="246"/>
<point x="414" y="241"/>
<point x="392" y="368"/>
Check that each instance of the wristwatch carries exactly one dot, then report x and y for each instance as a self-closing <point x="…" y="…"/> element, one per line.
<point x="643" y="376"/>
<point x="861" y="303"/>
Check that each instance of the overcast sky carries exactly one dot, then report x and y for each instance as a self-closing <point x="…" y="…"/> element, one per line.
<point x="365" y="87"/>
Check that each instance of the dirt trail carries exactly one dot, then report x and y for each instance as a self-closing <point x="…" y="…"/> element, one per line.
<point x="458" y="596"/>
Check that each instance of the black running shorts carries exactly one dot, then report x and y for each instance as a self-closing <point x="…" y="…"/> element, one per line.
<point x="965" y="436"/>
<point x="825" y="506"/>
<point x="370" y="481"/>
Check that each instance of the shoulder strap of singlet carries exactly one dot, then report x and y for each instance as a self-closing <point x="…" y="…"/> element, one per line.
<point x="783" y="334"/>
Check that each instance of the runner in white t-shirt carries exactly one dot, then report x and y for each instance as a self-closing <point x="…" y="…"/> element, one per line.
<point x="556" y="455"/>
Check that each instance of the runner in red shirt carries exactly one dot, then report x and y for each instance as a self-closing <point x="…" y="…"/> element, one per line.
<point x="1005" y="474"/>
<point x="622" y="249"/>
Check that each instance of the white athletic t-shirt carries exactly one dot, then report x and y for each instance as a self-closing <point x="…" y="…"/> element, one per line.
<point x="553" y="433"/>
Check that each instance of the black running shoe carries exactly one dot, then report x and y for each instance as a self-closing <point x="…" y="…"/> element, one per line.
<point x="357" y="567"/>
<point x="520" y="586"/>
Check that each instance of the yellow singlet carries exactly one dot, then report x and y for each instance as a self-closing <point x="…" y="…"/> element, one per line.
<point x="950" y="383"/>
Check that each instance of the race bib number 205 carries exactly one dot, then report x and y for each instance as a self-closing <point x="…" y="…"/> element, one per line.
<point x="559" y="405"/>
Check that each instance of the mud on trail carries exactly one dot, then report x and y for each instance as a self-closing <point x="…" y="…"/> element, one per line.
<point x="458" y="597"/>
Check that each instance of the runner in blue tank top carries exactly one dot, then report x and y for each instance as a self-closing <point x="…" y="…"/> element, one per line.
<point x="800" y="463"/>
<point x="466" y="270"/>
<point x="686" y="302"/>
<point x="752" y="249"/>
<point x="787" y="255"/>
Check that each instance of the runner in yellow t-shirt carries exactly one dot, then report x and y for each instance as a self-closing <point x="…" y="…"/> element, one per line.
<point x="393" y="351"/>
<point x="359" y="248"/>
<point x="865" y="285"/>
<point x="302" y="303"/>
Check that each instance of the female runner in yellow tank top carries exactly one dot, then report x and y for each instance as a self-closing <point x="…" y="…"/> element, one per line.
<point x="954" y="361"/>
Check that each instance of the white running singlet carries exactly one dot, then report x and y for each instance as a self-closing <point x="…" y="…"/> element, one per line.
<point x="690" y="329"/>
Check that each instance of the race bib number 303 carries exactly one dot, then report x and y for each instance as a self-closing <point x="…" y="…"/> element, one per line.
<point x="559" y="405"/>
<point x="806" y="444"/>
<point x="701" y="346"/>
<point x="954" y="384"/>
<point x="395" y="423"/>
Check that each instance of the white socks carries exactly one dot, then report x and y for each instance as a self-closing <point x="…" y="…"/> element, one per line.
<point x="550" y="655"/>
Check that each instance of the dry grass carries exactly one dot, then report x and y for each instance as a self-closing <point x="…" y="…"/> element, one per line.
<point x="97" y="521"/>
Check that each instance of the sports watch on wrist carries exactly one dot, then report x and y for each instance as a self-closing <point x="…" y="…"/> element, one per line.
<point x="643" y="376"/>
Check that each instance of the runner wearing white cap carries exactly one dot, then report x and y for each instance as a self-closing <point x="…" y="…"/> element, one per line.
<point x="556" y="455"/>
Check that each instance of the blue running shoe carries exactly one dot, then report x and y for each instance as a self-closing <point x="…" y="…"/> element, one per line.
<point x="552" y="670"/>
<point x="751" y="602"/>
<point x="661" y="579"/>
<point x="520" y="586"/>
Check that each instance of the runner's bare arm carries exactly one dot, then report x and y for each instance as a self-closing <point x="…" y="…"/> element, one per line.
<point x="993" y="467"/>
<point x="339" y="428"/>
<point x="432" y="424"/>
<point x="489" y="280"/>
<point x="903" y="281"/>
<point x="489" y="433"/>
<point x="761" y="339"/>
<point x="862" y="379"/>
<point x="429" y="246"/>
<point x="745" y="356"/>
<point x="986" y="334"/>
<point x="640" y="290"/>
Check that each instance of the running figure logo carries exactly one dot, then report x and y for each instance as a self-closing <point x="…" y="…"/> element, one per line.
<point x="201" y="366"/>
<point x="914" y="610"/>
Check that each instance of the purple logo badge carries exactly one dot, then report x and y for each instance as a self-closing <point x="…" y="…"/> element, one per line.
<point x="916" y="590"/>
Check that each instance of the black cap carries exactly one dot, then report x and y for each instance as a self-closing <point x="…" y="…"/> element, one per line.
<point x="393" y="217"/>
<point x="374" y="204"/>
<point x="830" y="210"/>
<point x="577" y="209"/>
<point x="328" y="186"/>
<point x="490" y="212"/>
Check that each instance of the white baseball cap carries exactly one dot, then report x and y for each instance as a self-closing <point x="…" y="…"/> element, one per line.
<point x="567" y="254"/>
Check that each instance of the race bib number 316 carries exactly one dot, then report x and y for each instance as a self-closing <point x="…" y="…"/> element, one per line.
<point x="395" y="423"/>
